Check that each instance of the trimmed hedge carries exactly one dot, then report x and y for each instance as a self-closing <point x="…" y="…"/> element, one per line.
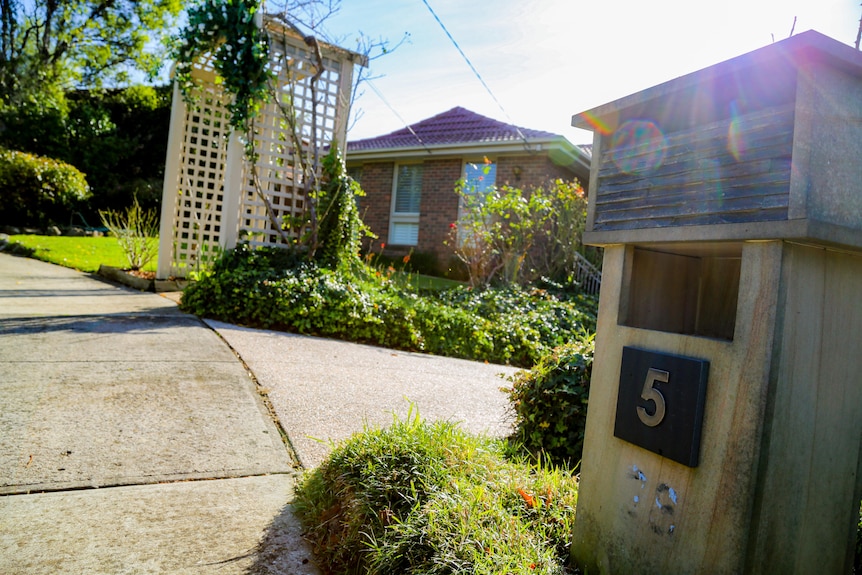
<point x="37" y="191"/>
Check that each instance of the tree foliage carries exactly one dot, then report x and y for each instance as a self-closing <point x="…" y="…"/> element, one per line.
<point x="52" y="44"/>
<point x="49" y="50"/>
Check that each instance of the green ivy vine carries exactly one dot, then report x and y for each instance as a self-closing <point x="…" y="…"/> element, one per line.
<point x="227" y="30"/>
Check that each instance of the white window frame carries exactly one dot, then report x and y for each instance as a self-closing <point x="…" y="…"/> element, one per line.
<point x="404" y="219"/>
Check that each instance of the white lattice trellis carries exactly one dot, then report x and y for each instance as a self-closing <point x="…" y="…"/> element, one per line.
<point x="210" y="199"/>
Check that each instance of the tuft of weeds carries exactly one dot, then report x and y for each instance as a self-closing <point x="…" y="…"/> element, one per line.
<point x="429" y="498"/>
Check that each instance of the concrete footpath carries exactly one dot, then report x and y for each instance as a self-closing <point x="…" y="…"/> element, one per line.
<point x="134" y="440"/>
<point x="324" y="390"/>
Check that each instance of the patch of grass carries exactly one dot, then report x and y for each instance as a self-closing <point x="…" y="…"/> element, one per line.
<point x="420" y="498"/>
<point x="85" y="254"/>
<point x="421" y="282"/>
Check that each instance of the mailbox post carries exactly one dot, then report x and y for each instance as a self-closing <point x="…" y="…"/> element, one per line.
<point x="725" y="422"/>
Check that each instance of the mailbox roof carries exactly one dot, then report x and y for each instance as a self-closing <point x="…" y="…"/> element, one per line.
<point x="810" y="46"/>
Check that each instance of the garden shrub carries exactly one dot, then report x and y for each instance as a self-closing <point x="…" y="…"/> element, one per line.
<point x="137" y="231"/>
<point x="550" y="402"/>
<point x="420" y="498"/>
<point x="37" y="191"/>
<point x="511" y="325"/>
<point x="857" y="559"/>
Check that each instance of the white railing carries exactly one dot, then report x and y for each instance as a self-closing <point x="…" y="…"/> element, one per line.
<point x="588" y="276"/>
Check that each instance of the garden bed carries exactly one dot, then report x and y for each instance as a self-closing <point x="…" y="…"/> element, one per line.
<point x="142" y="280"/>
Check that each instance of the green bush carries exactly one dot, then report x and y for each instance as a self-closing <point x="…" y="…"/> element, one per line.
<point x="857" y="560"/>
<point x="420" y="498"/>
<point x="259" y="288"/>
<point x="37" y="191"/>
<point x="550" y="402"/>
<point x="117" y="137"/>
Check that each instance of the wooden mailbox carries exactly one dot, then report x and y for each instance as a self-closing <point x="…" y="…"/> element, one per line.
<point x="725" y="421"/>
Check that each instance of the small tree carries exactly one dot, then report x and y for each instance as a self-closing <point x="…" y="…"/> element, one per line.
<point x="137" y="231"/>
<point x="561" y="240"/>
<point x="48" y="47"/>
<point x="514" y="237"/>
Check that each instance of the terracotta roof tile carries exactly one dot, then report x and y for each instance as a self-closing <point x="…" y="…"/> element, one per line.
<point x="456" y="126"/>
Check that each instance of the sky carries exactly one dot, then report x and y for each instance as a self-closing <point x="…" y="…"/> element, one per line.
<point x="545" y="60"/>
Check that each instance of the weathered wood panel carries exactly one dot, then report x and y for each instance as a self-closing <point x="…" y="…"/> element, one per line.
<point x="807" y="503"/>
<point x="703" y="527"/>
<point x="733" y="170"/>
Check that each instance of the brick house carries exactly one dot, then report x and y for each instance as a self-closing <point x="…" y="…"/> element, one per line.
<point x="409" y="175"/>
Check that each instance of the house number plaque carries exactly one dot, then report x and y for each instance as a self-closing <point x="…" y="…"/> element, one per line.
<point x="660" y="403"/>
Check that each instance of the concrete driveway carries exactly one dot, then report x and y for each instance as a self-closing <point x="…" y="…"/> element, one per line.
<point x="138" y="439"/>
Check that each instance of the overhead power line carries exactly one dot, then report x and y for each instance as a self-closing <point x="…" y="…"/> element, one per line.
<point x="397" y="115"/>
<point x="475" y="71"/>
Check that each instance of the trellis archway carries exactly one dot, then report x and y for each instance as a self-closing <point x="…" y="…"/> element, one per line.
<point x="210" y="198"/>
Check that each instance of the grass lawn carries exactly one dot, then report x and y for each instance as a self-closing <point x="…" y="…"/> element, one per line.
<point x="81" y="253"/>
<point x="86" y="254"/>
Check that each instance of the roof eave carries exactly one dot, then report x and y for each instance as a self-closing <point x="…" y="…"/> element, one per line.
<point x="530" y="145"/>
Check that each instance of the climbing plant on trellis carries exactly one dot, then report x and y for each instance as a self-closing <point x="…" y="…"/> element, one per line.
<point x="249" y="169"/>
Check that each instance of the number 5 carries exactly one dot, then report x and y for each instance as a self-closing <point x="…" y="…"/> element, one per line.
<point x="650" y="393"/>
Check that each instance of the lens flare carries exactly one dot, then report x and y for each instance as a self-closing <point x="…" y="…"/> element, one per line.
<point x="737" y="143"/>
<point x="598" y="124"/>
<point x="638" y="146"/>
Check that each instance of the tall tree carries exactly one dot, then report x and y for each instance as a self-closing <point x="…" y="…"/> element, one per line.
<point x="61" y="44"/>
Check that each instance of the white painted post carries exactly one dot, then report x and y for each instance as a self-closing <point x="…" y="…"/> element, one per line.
<point x="232" y="193"/>
<point x="170" y="190"/>
<point x="342" y="107"/>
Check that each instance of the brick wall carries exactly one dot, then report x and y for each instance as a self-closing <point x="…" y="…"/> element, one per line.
<point x="439" y="205"/>
<point x="374" y="208"/>
<point x="527" y="172"/>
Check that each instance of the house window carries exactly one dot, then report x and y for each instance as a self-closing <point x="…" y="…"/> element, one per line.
<point x="480" y="179"/>
<point x="406" y="197"/>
